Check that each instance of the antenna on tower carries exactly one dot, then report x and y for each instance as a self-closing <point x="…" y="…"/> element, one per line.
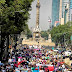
<point x="49" y="20"/>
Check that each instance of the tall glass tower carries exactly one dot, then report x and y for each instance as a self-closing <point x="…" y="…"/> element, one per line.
<point x="55" y="11"/>
<point x="64" y="3"/>
<point x="70" y="10"/>
<point x="70" y="4"/>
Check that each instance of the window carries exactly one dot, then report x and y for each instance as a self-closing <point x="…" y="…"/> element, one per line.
<point x="71" y="17"/>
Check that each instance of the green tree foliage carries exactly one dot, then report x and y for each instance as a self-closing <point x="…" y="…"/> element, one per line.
<point x="27" y="32"/>
<point x="14" y="15"/>
<point x="61" y="33"/>
<point x="44" y="34"/>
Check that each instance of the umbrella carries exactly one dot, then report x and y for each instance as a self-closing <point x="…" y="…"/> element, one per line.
<point x="19" y="57"/>
<point x="36" y="49"/>
<point x="1" y="63"/>
<point x="61" y="62"/>
<point x="38" y="64"/>
<point x="40" y="53"/>
<point x="51" y="68"/>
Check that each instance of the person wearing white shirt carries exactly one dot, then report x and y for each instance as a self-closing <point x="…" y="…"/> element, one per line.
<point x="17" y="70"/>
<point x="41" y="71"/>
<point x="3" y="70"/>
<point x="10" y="60"/>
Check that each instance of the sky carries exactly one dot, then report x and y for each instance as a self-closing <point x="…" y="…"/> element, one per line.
<point x="45" y="13"/>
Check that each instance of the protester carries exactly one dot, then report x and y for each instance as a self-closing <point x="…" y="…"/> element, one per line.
<point x="34" y="58"/>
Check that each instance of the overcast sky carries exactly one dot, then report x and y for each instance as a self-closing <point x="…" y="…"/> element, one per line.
<point x="45" y="11"/>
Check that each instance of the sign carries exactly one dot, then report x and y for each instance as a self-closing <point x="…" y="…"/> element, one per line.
<point x="71" y="38"/>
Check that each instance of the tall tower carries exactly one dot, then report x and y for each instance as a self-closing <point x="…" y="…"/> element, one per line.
<point x="37" y="13"/>
<point x="36" y="31"/>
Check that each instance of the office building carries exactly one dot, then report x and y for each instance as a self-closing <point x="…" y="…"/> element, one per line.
<point x="70" y="10"/>
<point x="64" y="12"/>
<point x="55" y="11"/>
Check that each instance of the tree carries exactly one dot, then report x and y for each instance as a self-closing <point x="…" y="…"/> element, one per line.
<point x="12" y="19"/>
<point x="62" y="33"/>
<point x="27" y="32"/>
<point x="44" y="34"/>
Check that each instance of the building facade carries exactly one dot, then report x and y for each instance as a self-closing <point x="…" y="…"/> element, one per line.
<point x="55" y="11"/>
<point x="70" y="10"/>
<point x="64" y="12"/>
<point x="64" y="4"/>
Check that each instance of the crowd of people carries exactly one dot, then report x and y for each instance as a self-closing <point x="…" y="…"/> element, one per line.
<point x="30" y="58"/>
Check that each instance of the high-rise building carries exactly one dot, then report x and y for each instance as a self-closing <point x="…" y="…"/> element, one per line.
<point x="70" y="4"/>
<point x="64" y="3"/>
<point x="64" y="11"/>
<point x="70" y="10"/>
<point x="55" y="11"/>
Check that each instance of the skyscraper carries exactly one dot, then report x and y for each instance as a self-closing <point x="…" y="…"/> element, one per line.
<point x="70" y="4"/>
<point x="55" y="11"/>
<point x="70" y="10"/>
<point x="64" y="3"/>
<point x="64" y="11"/>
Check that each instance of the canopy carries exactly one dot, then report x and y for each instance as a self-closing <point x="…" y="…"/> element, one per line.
<point x="36" y="49"/>
<point x="39" y="53"/>
<point x="19" y="57"/>
<point x="61" y="62"/>
<point x="51" y="68"/>
<point x="38" y="64"/>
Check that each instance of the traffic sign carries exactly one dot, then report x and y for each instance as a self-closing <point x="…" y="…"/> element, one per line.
<point x="71" y="37"/>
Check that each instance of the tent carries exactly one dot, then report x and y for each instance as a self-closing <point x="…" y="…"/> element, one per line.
<point x="50" y="68"/>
